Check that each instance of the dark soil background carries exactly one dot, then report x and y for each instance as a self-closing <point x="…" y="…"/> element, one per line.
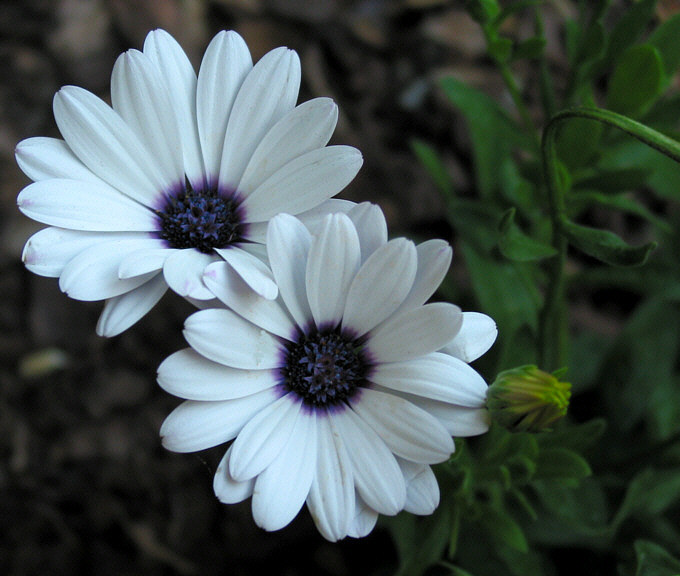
<point x="85" y="486"/>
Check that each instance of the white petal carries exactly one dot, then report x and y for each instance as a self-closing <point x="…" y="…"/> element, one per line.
<point x="281" y="489"/>
<point x="49" y="250"/>
<point x="194" y="426"/>
<point x="225" y="65"/>
<point x="252" y="270"/>
<point x="140" y="95"/>
<point x="149" y="259"/>
<point x="380" y="286"/>
<point x="107" y="145"/>
<point x="263" y="438"/>
<point x="304" y="182"/>
<point x="183" y="271"/>
<point x="331" y="500"/>
<point x="84" y="206"/>
<point x="230" y="288"/>
<point x="371" y="226"/>
<point x="228" y="490"/>
<point x="422" y="490"/>
<point x="437" y="376"/>
<point x="434" y="259"/>
<point x="476" y="336"/>
<point x="189" y="375"/>
<point x="42" y="158"/>
<point x="408" y="431"/>
<point x="225" y="337"/>
<point x="268" y="92"/>
<point x="123" y="311"/>
<point x="377" y="476"/>
<point x="415" y="332"/>
<point x="364" y="520"/>
<point x="314" y="218"/>
<point x="180" y="80"/>
<point x="288" y="243"/>
<point x="305" y="128"/>
<point x="93" y="273"/>
<point x="459" y="421"/>
<point x="333" y="261"/>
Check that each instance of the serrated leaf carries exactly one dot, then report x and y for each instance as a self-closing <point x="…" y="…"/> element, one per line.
<point x="561" y="464"/>
<point x="605" y="245"/>
<point x="516" y="245"/>
<point x="636" y="81"/>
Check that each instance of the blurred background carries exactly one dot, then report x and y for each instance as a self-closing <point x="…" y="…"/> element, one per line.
<point x="85" y="486"/>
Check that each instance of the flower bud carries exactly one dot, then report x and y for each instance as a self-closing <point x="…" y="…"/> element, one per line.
<point x="527" y="399"/>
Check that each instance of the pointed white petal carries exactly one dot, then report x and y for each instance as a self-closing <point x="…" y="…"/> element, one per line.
<point x="194" y="426"/>
<point x="139" y="94"/>
<point x="189" y="375"/>
<point x="225" y="65"/>
<point x="224" y="337"/>
<point x="304" y="182"/>
<point x="252" y="270"/>
<point x="84" y="206"/>
<point x="93" y="273"/>
<point x="288" y="243"/>
<point x="437" y="376"/>
<point x="180" y="80"/>
<point x="282" y="488"/>
<point x="268" y="92"/>
<point x="333" y="261"/>
<point x="380" y="286"/>
<point x="305" y="128"/>
<point x="434" y="258"/>
<point x="377" y="476"/>
<point x="50" y="249"/>
<point x="228" y="490"/>
<point x="459" y="421"/>
<point x="476" y="336"/>
<point x="331" y="500"/>
<point x="415" y="332"/>
<point x="408" y="431"/>
<point x="183" y="271"/>
<point x="371" y="226"/>
<point x="107" y="145"/>
<point x="422" y="490"/>
<point x="229" y="287"/>
<point x="149" y="259"/>
<point x="42" y="158"/>
<point x="123" y="311"/>
<point x="263" y="438"/>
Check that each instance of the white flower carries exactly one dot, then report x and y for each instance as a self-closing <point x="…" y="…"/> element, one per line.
<point x="334" y="394"/>
<point x="182" y="171"/>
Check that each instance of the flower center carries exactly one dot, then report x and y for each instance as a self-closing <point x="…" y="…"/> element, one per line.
<point x="324" y="368"/>
<point x="201" y="219"/>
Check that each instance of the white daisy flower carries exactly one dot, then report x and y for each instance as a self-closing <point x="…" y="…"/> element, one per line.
<point x="335" y="393"/>
<point x="181" y="171"/>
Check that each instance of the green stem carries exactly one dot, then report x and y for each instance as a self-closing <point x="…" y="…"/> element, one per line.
<point x="553" y="326"/>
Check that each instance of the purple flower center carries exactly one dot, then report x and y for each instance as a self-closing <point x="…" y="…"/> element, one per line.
<point x="324" y="368"/>
<point x="201" y="219"/>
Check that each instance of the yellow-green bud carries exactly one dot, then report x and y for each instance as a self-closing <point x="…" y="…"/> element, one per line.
<point x="527" y="399"/>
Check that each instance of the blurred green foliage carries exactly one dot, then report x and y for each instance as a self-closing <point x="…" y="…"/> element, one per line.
<point x="601" y="493"/>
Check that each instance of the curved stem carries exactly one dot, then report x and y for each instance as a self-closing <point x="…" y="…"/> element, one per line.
<point x="552" y="329"/>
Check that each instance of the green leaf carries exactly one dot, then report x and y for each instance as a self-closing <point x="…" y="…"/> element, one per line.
<point x="429" y="158"/>
<point x="493" y="133"/>
<point x="530" y="49"/>
<point x="666" y="39"/>
<point x="627" y="30"/>
<point x="612" y="181"/>
<point x="577" y="437"/>
<point x="578" y="142"/>
<point x="502" y="528"/>
<point x="636" y="81"/>
<point x="561" y="464"/>
<point x="650" y="493"/>
<point x="516" y="245"/>
<point x="605" y="245"/>
<point x="483" y="10"/>
<point x="653" y="560"/>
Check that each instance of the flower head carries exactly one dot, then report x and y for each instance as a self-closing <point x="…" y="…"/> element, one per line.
<point x="527" y="399"/>
<point x="335" y="393"/>
<point x="181" y="171"/>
